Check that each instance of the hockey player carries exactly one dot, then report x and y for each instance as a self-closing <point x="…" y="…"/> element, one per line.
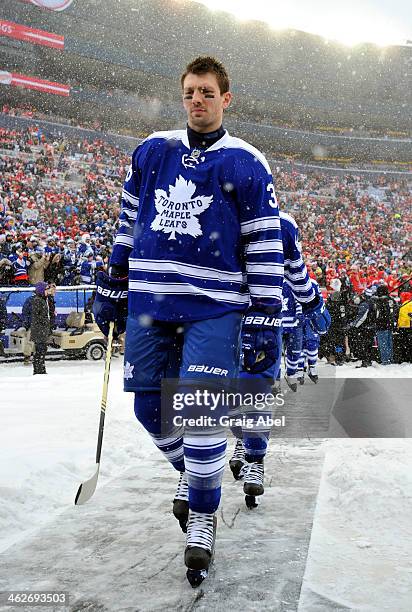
<point x="199" y="245"/>
<point x="251" y="445"/>
<point x="292" y="331"/>
<point x="309" y="356"/>
<point x="310" y="348"/>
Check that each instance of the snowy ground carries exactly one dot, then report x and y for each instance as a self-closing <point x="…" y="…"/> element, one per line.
<point x="123" y="550"/>
<point x="360" y="550"/>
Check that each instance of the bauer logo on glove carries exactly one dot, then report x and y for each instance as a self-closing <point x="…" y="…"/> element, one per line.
<point x="110" y="303"/>
<point x="114" y="295"/>
<point x="266" y="321"/>
<point x="261" y="341"/>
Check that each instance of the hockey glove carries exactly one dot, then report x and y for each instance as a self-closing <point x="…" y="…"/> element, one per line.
<point x="261" y="340"/>
<point x="318" y="314"/>
<point x="110" y="303"/>
<point x="301" y="318"/>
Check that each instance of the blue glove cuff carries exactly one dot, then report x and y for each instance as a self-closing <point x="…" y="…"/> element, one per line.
<point x="261" y="340"/>
<point x="110" y="303"/>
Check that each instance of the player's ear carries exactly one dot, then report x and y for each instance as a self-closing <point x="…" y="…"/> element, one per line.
<point x="227" y="98"/>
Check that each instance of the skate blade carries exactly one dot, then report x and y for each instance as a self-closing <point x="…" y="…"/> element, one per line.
<point x="196" y="577"/>
<point x="251" y="502"/>
<point x="292" y="386"/>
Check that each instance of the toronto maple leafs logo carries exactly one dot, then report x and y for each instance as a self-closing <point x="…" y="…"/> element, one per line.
<point x="178" y="210"/>
<point x="128" y="370"/>
<point x="191" y="161"/>
<point x="285" y="303"/>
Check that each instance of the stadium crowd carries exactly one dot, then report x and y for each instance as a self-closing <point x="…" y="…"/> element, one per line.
<point x="58" y="207"/>
<point x="59" y="204"/>
<point x="350" y="227"/>
<point x="31" y="112"/>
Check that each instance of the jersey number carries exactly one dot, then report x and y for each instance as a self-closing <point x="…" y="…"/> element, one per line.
<point x="129" y="173"/>
<point x="272" y="200"/>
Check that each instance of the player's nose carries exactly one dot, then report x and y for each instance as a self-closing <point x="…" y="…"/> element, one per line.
<point x="197" y="97"/>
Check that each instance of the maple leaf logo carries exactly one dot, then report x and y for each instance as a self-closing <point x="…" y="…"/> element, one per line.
<point x="128" y="370"/>
<point x="178" y="210"/>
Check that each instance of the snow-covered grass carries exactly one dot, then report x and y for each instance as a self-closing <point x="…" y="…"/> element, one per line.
<point x="48" y="439"/>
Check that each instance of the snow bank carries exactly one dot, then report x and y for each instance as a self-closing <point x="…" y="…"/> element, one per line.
<point x="48" y="439"/>
<point x="360" y="550"/>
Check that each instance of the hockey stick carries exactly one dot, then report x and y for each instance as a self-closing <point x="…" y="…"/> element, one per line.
<point x="88" y="487"/>
<point x="405" y="282"/>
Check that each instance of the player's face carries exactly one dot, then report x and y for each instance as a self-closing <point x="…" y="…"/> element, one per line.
<point x="203" y="102"/>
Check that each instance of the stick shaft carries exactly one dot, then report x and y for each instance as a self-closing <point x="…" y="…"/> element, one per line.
<point x="88" y="487"/>
<point x="104" y="392"/>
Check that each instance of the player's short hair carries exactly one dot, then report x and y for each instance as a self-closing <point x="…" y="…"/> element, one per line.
<point x="207" y="63"/>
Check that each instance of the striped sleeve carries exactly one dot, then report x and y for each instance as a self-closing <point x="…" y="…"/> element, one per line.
<point x="262" y="238"/>
<point x="124" y="241"/>
<point x="296" y="273"/>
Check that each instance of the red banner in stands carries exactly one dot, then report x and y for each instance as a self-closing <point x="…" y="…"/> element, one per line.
<point x="37" y="37"/>
<point x="28" y="82"/>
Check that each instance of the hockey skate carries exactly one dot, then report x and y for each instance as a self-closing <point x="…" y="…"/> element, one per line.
<point x="301" y="377"/>
<point x="313" y="375"/>
<point x="200" y="546"/>
<point x="238" y="461"/>
<point x="253" y="486"/>
<point x="276" y="388"/>
<point x="292" y="382"/>
<point x="181" y="502"/>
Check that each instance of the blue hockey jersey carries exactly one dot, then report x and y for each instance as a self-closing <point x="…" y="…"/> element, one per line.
<point x="296" y="274"/>
<point x="291" y="309"/>
<point x="199" y="229"/>
<point x="298" y="288"/>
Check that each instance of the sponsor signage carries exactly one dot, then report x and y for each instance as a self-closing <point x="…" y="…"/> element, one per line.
<point x="29" y="82"/>
<point x="31" y="35"/>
